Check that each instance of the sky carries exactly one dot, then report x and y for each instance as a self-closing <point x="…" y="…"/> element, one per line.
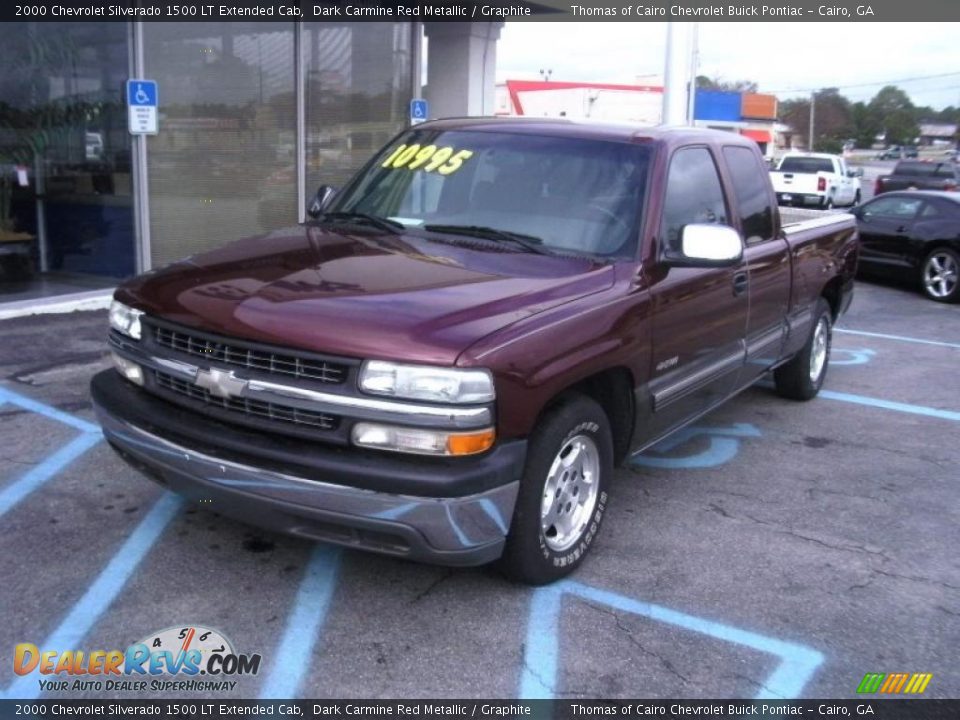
<point x="785" y="58"/>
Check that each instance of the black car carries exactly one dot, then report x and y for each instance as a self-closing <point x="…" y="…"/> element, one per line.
<point x="913" y="235"/>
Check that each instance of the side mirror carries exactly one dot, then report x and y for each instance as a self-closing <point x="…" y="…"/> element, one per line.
<point x="708" y="246"/>
<point x="320" y="201"/>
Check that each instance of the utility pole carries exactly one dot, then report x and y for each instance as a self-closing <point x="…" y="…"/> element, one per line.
<point x="676" y="76"/>
<point x="813" y="102"/>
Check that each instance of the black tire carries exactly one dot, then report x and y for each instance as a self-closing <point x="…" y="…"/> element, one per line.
<point x="940" y="275"/>
<point x="828" y="203"/>
<point x="796" y="379"/>
<point x="535" y="555"/>
<point x="856" y="199"/>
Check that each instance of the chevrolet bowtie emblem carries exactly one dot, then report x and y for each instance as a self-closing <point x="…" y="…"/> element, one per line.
<point x="221" y="383"/>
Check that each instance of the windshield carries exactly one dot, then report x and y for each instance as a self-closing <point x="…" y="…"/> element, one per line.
<point x="568" y="194"/>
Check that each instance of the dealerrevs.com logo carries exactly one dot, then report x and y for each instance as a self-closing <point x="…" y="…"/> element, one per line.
<point x="185" y="653"/>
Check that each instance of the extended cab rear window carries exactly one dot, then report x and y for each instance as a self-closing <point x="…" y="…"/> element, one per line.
<point x="576" y="195"/>
<point x="806" y="165"/>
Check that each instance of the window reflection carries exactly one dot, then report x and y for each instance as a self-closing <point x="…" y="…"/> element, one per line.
<point x="65" y="183"/>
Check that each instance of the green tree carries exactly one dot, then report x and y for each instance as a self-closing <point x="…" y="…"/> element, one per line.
<point x="708" y="83"/>
<point x="892" y="107"/>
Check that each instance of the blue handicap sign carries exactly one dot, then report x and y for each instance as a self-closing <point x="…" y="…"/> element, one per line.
<point x="419" y="110"/>
<point x="142" y="93"/>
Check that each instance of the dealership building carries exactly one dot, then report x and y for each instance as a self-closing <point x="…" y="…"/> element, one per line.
<point x="252" y="118"/>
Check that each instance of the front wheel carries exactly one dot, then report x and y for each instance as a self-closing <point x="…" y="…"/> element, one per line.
<point x="563" y="493"/>
<point x="802" y="377"/>
<point x="941" y="275"/>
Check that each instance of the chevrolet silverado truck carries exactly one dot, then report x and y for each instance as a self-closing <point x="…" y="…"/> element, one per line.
<point x="449" y="359"/>
<point x="816" y="179"/>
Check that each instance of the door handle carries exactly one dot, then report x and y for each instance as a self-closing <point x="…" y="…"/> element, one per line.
<point x="740" y="283"/>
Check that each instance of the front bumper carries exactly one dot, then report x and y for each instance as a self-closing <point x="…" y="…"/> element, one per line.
<point x="450" y="512"/>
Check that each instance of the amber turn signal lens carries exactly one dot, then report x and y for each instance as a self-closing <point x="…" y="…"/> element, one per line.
<point x="470" y="443"/>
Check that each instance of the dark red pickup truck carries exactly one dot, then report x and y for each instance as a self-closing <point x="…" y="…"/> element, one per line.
<point x="449" y="360"/>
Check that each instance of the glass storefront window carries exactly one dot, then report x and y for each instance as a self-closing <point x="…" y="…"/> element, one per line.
<point x="358" y="85"/>
<point x="66" y="218"/>
<point x="221" y="167"/>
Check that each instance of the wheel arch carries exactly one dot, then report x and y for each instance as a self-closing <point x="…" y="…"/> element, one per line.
<point x="612" y="389"/>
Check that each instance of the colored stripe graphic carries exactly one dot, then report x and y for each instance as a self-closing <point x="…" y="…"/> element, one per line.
<point x="871" y="682"/>
<point x="918" y="683"/>
<point x="895" y="683"/>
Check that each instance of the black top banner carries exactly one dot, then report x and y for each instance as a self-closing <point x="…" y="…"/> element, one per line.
<point x="481" y="11"/>
<point x="915" y="709"/>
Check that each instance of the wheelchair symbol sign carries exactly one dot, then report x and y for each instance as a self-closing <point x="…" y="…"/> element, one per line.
<point x="142" y="106"/>
<point x="419" y="111"/>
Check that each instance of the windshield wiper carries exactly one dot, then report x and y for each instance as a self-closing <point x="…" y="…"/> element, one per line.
<point x="530" y="243"/>
<point x="390" y="226"/>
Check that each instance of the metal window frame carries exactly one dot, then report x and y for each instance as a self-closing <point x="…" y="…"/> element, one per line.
<point x="141" y="183"/>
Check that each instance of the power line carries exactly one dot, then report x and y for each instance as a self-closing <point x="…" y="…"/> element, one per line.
<point x="869" y="84"/>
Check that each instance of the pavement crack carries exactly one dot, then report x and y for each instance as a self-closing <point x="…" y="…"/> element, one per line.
<point x="533" y="671"/>
<point x="916" y="578"/>
<point x="948" y="612"/>
<point x="433" y="585"/>
<point x="665" y="662"/>
<point x="758" y="684"/>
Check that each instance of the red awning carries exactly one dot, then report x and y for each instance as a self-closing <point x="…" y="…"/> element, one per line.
<point x="757" y="135"/>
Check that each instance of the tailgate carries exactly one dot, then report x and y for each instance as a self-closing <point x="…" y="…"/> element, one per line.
<point x="800" y="183"/>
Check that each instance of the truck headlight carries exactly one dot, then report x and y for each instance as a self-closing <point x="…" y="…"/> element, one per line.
<point x="125" y="319"/>
<point x="424" y="382"/>
<point x="422" y="442"/>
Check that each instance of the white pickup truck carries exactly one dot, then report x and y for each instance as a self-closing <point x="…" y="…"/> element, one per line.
<point x="815" y="179"/>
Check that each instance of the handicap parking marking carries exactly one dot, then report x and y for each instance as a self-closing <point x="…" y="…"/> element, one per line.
<point x="103" y="590"/>
<point x="891" y="405"/>
<point x="724" y="444"/>
<point x="843" y="356"/>
<point x="304" y="626"/>
<point x="54" y="463"/>
<point x="541" y="660"/>
<point x="900" y="338"/>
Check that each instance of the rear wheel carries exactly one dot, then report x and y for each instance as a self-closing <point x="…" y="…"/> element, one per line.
<point x="563" y="493"/>
<point x="828" y="203"/>
<point x="940" y="275"/>
<point x="856" y="199"/>
<point x="802" y="377"/>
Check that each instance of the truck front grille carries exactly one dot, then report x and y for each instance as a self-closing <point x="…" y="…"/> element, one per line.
<point x="234" y="408"/>
<point x="243" y="355"/>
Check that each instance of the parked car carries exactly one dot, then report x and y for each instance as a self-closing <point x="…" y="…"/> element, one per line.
<point x="919" y="175"/>
<point x="816" y="179"/>
<point x="447" y="363"/>
<point x="913" y="235"/>
<point x="894" y="152"/>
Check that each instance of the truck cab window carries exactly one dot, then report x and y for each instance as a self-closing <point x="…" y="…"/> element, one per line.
<point x="751" y="190"/>
<point x="694" y="195"/>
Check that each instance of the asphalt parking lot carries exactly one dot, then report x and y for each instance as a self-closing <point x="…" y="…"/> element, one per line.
<point x="776" y="549"/>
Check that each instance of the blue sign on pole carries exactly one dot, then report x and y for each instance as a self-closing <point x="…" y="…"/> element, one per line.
<point x="419" y="111"/>
<point x="142" y="106"/>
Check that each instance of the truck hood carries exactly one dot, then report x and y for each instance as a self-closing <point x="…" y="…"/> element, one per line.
<point x="402" y="297"/>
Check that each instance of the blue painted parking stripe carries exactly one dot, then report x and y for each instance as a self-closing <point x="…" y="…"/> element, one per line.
<point x="104" y="590"/>
<point x="44" y="471"/>
<point x="901" y="338"/>
<point x="541" y="652"/>
<point x="891" y="405"/>
<point x="7" y="395"/>
<point x="294" y="652"/>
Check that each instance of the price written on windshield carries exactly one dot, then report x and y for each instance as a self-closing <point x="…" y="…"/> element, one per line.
<point x="444" y="160"/>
